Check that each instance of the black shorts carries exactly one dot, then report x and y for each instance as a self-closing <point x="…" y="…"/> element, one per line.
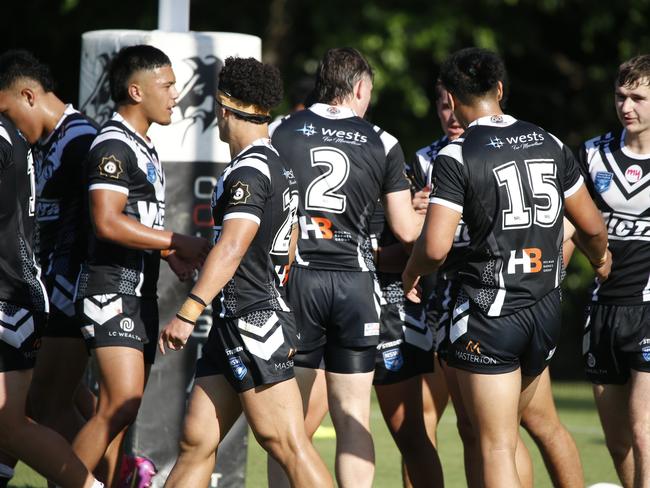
<point x="63" y="321"/>
<point x="494" y="345"/>
<point x="340" y="307"/>
<point x="405" y="346"/>
<point x="120" y="320"/>
<point x="616" y="340"/>
<point x="439" y="306"/>
<point x="20" y="338"/>
<point x="252" y="350"/>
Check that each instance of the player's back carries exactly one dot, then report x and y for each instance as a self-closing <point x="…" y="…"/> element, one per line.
<point x="343" y="164"/>
<point x="516" y="176"/>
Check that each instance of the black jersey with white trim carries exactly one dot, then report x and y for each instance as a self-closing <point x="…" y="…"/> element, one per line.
<point x="20" y="275"/>
<point x="343" y="165"/>
<point x="509" y="179"/>
<point x="258" y="186"/>
<point x="59" y="159"/>
<point x="619" y="183"/>
<point x="122" y="161"/>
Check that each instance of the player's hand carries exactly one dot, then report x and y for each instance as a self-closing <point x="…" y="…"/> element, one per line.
<point x="191" y="249"/>
<point x="182" y="269"/>
<point x="175" y="335"/>
<point x="420" y="200"/>
<point x="603" y="270"/>
<point x="412" y="290"/>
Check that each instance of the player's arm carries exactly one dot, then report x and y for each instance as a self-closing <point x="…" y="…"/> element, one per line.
<point x="293" y="243"/>
<point x="590" y="231"/>
<point x="111" y="224"/>
<point x="219" y="267"/>
<point x="568" y="246"/>
<point x="405" y="223"/>
<point x="432" y="247"/>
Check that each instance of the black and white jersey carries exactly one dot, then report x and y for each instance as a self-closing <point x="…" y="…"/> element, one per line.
<point x="20" y="275"/>
<point x="619" y="183"/>
<point x="419" y="171"/>
<point x="61" y="243"/>
<point x="509" y="179"/>
<point x="343" y="165"/>
<point x="122" y="161"/>
<point x="258" y="186"/>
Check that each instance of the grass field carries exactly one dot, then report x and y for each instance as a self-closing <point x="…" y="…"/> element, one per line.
<point x="575" y="404"/>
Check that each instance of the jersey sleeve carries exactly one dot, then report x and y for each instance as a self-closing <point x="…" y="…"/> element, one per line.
<point x="247" y="191"/>
<point x="572" y="178"/>
<point x="415" y="173"/>
<point x="449" y="183"/>
<point x="395" y="175"/>
<point x="110" y="165"/>
<point x="6" y="152"/>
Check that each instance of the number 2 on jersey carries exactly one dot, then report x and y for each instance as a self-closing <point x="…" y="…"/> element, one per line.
<point x="282" y="238"/>
<point x="321" y="193"/>
<point x="542" y="180"/>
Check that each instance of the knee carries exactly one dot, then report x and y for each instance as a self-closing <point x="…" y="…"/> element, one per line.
<point x="541" y="428"/>
<point x="641" y="437"/>
<point x="618" y="449"/>
<point x="119" y="415"/>
<point x="282" y="447"/>
<point x="196" y="441"/>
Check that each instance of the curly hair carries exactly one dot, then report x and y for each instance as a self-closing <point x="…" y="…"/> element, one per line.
<point x="472" y="72"/>
<point x="252" y="82"/>
<point x="16" y="64"/>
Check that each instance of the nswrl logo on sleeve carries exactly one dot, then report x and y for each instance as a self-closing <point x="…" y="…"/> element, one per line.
<point x="602" y="180"/>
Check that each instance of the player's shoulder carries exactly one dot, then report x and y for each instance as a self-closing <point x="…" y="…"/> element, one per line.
<point x="595" y="143"/>
<point x="256" y="159"/>
<point x="388" y="140"/>
<point x="6" y="129"/>
<point x="427" y="154"/>
<point x="454" y="150"/>
<point x="77" y="124"/>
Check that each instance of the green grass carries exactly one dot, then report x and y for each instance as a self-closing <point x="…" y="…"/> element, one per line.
<point x="575" y="404"/>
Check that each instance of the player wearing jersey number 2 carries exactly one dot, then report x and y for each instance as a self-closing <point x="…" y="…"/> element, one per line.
<point x="510" y="181"/>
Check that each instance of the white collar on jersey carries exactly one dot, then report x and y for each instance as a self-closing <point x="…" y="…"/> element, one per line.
<point x="262" y="141"/>
<point x="332" y="111"/>
<point x="69" y="109"/>
<point x="628" y="152"/>
<point x="118" y="118"/>
<point x="494" y="121"/>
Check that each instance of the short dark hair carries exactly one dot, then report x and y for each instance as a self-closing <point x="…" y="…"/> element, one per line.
<point x="338" y="72"/>
<point x="438" y="90"/>
<point x="472" y="72"/>
<point x="252" y="82"/>
<point x="634" y="71"/>
<point x="128" y="61"/>
<point x="16" y="64"/>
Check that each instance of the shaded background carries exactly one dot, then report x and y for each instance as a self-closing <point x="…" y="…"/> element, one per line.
<point x="561" y="57"/>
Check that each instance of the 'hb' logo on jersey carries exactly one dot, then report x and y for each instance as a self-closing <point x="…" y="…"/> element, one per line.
<point x="320" y="226"/>
<point x="530" y="261"/>
<point x="152" y="214"/>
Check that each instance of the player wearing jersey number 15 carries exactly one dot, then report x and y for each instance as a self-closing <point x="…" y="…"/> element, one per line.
<point x="511" y="182"/>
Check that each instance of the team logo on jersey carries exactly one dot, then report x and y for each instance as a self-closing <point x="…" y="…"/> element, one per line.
<point x="530" y="261"/>
<point x="634" y="173"/>
<point x="393" y="359"/>
<point x="333" y="110"/>
<point x="239" y="193"/>
<point x="151" y="172"/>
<point x="645" y="352"/>
<point x="111" y="167"/>
<point x="237" y="366"/>
<point x="307" y="130"/>
<point x="496" y="119"/>
<point x="602" y="181"/>
<point x="371" y="329"/>
<point x="495" y="142"/>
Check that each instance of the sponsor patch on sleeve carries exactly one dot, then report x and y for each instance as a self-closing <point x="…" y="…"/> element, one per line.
<point x="239" y="193"/>
<point x="371" y="329"/>
<point x="110" y="167"/>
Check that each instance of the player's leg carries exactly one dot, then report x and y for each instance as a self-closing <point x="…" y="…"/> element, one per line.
<point x="401" y="406"/>
<point x="285" y="438"/>
<point x="39" y="447"/>
<point x="349" y="402"/>
<point x="313" y="391"/>
<point x="59" y="368"/>
<point x="556" y="445"/>
<point x="640" y="426"/>
<point x="212" y="410"/>
<point x="435" y="397"/>
<point x="612" y="402"/>
<point x="121" y="385"/>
